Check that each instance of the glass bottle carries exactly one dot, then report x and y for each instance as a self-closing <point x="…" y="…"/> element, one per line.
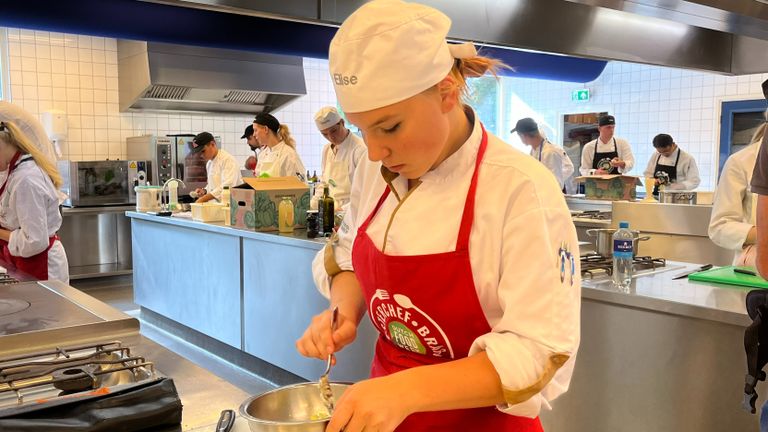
<point x="325" y="212"/>
<point x="285" y="215"/>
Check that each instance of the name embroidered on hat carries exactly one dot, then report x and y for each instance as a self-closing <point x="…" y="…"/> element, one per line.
<point x="340" y="79"/>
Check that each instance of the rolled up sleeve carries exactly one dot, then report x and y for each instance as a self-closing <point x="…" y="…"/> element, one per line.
<point x="533" y="346"/>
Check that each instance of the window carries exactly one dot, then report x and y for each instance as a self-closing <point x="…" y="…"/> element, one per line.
<point x="484" y="98"/>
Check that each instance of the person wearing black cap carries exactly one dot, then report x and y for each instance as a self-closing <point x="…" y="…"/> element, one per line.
<point x="220" y="165"/>
<point x="670" y="164"/>
<point x="553" y="157"/>
<point x="279" y="158"/>
<point x="607" y="154"/>
<point x="253" y="144"/>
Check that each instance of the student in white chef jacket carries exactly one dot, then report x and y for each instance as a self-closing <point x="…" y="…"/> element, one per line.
<point x="607" y="154"/>
<point x="29" y="201"/>
<point x="279" y="157"/>
<point x="221" y="167"/>
<point x="679" y="166"/>
<point x="732" y="224"/>
<point x="552" y="156"/>
<point x="340" y="157"/>
<point x="460" y="248"/>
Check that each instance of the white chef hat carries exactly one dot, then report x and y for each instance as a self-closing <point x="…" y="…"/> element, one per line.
<point x="327" y="117"/>
<point x="390" y="50"/>
<point x="30" y="126"/>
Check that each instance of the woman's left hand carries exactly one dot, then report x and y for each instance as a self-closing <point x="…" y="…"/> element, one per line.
<point x="377" y="404"/>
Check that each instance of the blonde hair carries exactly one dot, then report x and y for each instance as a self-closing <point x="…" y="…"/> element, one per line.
<point x="760" y="132"/>
<point x="14" y="136"/>
<point x="285" y="136"/>
<point x="474" y="67"/>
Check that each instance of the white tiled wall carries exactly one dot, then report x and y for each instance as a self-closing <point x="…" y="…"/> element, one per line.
<point x="78" y="75"/>
<point x="646" y="100"/>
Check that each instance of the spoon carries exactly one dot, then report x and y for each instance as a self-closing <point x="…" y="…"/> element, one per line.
<point x="325" y="387"/>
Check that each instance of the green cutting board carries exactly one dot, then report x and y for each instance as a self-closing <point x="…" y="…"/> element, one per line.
<point x="726" y="275"/>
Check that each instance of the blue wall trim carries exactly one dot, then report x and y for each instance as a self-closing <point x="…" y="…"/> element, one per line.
<point x="726" y="123"/>
<point x="132" y="19"/>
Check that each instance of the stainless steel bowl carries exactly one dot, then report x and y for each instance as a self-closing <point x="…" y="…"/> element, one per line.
<point x="290" y="408"/>
<point x="604" y="241"/>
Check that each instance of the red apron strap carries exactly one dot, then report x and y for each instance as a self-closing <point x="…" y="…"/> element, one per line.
<point x="364" y="226"/>
<point x="11" y="167"/>
<point x="462" y="242"/>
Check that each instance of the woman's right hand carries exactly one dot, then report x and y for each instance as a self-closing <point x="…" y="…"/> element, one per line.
<point x="319" y="342"/>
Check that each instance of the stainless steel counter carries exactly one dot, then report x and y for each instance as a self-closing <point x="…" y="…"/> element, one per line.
<point x="659" y="293"/>
<point x="97" y="240"/>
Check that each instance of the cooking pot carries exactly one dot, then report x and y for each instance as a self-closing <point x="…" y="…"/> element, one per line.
<point x="677" y="197"/>
<point x="297" y="407"/>
<point x="604" y="243"/>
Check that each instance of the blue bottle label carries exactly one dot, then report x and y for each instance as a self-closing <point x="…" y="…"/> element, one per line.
<point x="622" y="248"/>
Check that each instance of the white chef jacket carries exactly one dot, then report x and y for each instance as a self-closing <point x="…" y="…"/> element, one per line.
<point x="555" y="159"/>
<point x="521" y="226"/>
<point x="223" y="170"/>
<point x="340" y="166"/>
<point x="733" y="208"/>
<point x="687" y="170"/>
<point x="29" y="208"/>
<point x="622" y="147"/>
<point x="281" y="160"/>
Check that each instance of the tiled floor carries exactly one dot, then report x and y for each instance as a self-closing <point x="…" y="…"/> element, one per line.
<point x="118" y="292"/>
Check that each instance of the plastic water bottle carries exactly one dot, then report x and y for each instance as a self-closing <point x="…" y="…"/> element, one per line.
<point x="622" y="256"/>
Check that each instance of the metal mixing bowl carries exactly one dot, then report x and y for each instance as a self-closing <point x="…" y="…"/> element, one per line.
<point x="290" y="408"/>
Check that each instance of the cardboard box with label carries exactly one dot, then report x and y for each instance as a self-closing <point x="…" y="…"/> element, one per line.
<point x="254" y="203"/>
<point x="613" y="187"/>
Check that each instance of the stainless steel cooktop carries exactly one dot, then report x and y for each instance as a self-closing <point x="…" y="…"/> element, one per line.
<point x="41" y="315"/>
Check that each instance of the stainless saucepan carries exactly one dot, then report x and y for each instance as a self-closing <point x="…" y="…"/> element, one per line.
<point x="297" y="407"/>
<point x="678" y="197"/>
<point x="604" y="242"/>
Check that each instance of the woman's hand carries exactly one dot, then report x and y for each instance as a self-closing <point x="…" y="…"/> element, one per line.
<point x="318" y="341"/>
<point x="378" y="404"/>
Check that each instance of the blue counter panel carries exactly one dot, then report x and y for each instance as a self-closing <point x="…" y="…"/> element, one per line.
<point x="190" y="276"/>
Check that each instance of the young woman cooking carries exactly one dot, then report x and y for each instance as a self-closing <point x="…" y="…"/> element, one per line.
<point x="279" y="157"/>
<point x="460" y="248"/>
<point x="29" y="202"/>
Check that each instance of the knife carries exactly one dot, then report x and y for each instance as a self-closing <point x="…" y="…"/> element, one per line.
<point x="226" y="421"/>
<point x="686" y="274"/>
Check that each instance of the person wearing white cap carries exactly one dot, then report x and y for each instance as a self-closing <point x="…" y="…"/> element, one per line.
<point x="29" y="198"/>
<point x="340" y="157"/>
<point x="460" y="248"/>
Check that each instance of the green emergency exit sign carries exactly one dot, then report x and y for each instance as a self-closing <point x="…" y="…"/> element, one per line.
<point x="580" y="95"/>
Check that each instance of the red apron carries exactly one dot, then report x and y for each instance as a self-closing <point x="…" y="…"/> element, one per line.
<point x="426" y="310"/>
<point x="36" y="265"/>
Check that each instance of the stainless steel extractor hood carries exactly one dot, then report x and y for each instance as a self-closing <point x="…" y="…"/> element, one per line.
<point x="160" y="76"/>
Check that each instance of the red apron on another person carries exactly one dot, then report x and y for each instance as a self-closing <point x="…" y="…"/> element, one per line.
<point x="36" y="265"/>
<point x="426" y="310"/>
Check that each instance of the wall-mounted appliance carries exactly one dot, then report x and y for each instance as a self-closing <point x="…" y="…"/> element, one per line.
<point x="99" y="183"/>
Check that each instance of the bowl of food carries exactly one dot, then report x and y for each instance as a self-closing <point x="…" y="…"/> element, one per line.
<point x="297" y="407"/>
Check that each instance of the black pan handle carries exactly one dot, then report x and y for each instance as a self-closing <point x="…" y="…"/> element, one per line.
<point x="226" y="421"/>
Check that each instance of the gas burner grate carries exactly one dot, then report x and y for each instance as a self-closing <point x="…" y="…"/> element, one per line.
<point x="6" y="279"/>
<point x="593" y="264"/>
<point x="70" y="370"/>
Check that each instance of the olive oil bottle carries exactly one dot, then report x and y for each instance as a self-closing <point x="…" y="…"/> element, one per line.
<point x="325" y="213"/>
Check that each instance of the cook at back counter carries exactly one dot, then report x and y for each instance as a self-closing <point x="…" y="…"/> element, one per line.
<point x="671" y="162"/>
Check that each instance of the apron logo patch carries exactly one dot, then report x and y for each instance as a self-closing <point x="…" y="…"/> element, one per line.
<point x="566" y="262"/>
<point x="408" y="327"/>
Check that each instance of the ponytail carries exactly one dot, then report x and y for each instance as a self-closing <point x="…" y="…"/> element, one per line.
<point x="474" y="67"/>
<point x="13" y="135"/>
<point x="285" y="136"/>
